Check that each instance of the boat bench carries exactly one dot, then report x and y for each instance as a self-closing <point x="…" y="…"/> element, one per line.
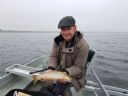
<point x="21" y="70"/>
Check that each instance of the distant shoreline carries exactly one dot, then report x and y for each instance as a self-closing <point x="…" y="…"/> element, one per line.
<point x="19" y="31"/>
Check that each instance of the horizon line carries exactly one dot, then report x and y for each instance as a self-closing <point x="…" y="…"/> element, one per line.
<point x="46" y="31"/>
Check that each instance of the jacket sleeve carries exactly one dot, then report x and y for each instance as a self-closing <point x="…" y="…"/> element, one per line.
<point x="52" y="61"/>
<point x="78" y="67"/>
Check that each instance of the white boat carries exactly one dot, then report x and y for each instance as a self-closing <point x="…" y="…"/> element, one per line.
<point x="18" y="77"/>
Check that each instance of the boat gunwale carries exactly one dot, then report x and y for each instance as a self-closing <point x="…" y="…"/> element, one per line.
<point x="5" y="79"/>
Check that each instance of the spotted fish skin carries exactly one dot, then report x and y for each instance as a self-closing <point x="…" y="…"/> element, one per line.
<point x="51" y="75"/>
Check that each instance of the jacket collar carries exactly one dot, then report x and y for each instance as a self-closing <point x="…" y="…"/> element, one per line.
<point x="76" y="37"/>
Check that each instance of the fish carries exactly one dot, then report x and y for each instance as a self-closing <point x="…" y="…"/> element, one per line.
<point x="51" y="76"/>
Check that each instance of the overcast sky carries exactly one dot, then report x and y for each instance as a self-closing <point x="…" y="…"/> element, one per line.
<point x="90" y="15"/>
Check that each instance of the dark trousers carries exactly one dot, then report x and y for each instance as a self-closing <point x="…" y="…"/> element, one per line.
<point x="62" y="89"/>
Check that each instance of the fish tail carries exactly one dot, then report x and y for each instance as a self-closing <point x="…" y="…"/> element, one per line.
<point x="35" y="81"/>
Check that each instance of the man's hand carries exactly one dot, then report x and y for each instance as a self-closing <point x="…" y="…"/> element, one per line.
<point x="64" y="70"/>
<point x="51" y="68"/>
<point x="59" y="68"/>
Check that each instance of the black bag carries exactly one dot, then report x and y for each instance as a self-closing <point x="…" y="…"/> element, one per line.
<point x="32" y="93"/>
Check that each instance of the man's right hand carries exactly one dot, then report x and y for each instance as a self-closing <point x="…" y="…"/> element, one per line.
<point x="51" y="68"/>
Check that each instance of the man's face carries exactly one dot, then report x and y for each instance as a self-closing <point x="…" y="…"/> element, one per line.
<point x="68" y="32"/>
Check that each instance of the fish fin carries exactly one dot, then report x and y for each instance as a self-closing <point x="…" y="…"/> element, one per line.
<point x="35" y="81"/>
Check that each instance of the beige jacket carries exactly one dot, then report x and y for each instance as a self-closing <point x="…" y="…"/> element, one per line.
<point x="72" y="58"/>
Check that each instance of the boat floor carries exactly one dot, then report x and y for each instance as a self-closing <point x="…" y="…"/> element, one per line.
<point x="19" y="82"/>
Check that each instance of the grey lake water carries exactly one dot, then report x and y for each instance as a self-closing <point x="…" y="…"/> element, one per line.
<point x="110" y="61"/>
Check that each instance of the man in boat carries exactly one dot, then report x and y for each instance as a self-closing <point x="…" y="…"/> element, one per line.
<point x="69" y="53"/>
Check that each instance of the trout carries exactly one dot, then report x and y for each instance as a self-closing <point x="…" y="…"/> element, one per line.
<point x="51" y="75"/>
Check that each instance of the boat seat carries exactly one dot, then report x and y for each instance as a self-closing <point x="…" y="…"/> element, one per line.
<point x="91" y="53"/>
<point x="21" y="70"/>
